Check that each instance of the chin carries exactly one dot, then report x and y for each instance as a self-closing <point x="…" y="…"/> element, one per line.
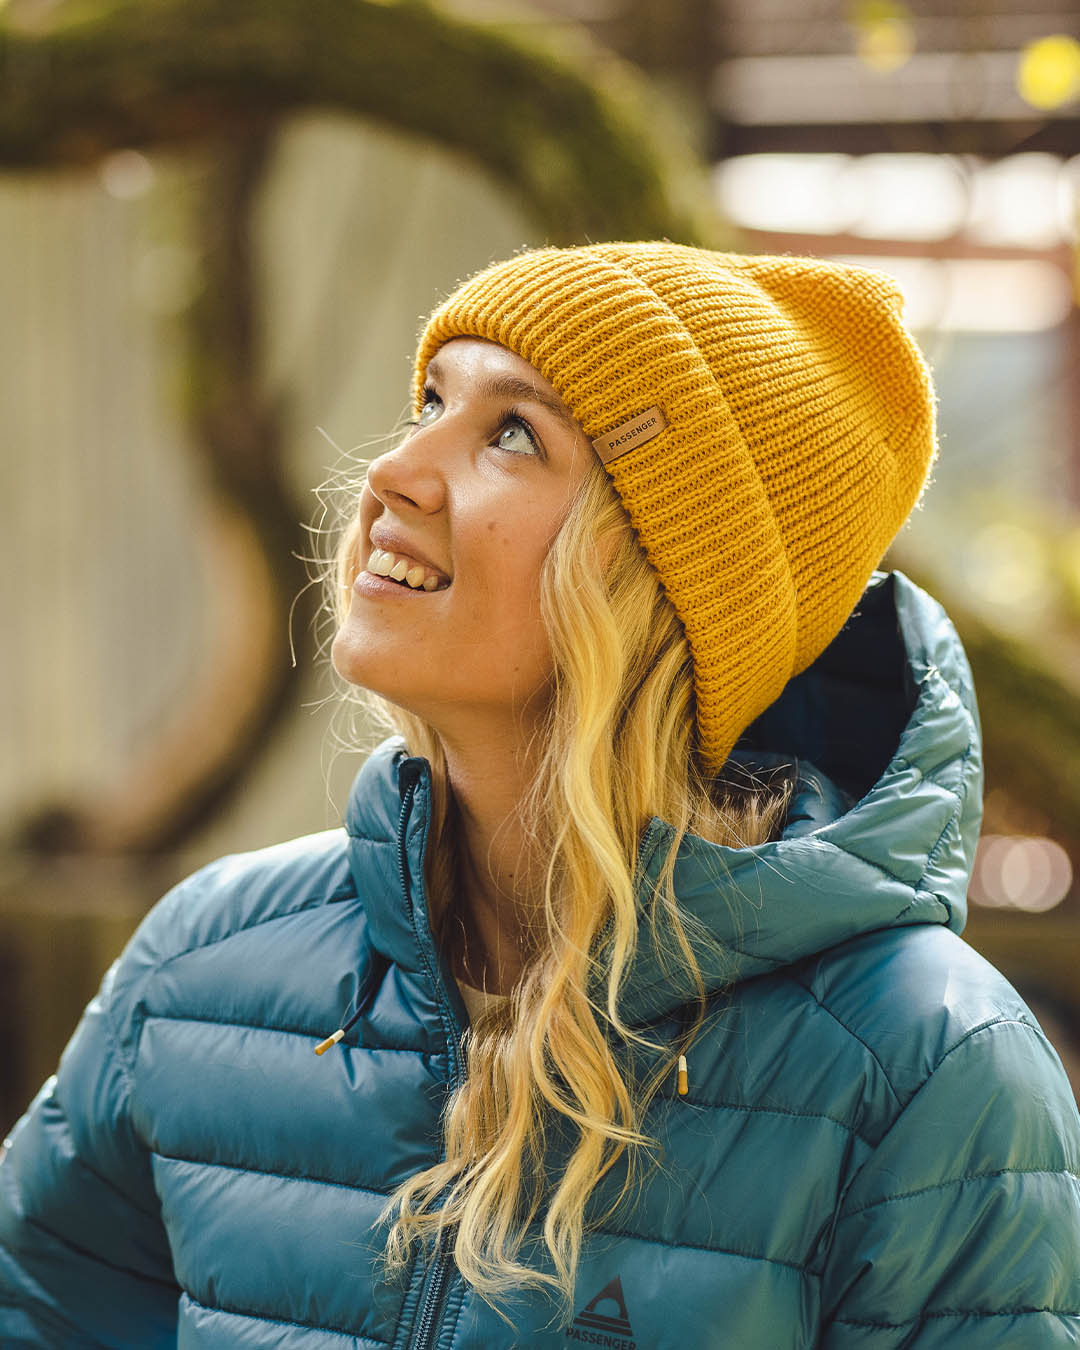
<point x="354" y="665"/>
<point x="346" y="659"/>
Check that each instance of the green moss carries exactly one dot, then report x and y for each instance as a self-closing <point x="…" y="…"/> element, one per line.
<point x="575" y="133"/>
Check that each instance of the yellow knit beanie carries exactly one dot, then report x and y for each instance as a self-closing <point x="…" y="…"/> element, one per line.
<point x="768" y="423"/>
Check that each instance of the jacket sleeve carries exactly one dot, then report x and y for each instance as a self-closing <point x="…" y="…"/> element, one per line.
<point x="962" y="1229"/>
<point x="84" y="1259"/>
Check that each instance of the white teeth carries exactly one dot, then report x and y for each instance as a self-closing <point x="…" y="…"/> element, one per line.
<point x="385" y="564"/>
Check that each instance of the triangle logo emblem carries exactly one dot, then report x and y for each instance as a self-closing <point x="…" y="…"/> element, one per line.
<point x="604" y="1321"/>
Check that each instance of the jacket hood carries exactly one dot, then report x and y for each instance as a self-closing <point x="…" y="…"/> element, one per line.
<point x="881" y="831"/>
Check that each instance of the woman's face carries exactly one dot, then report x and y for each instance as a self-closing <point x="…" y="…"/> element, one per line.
<point x="478" y="489"/>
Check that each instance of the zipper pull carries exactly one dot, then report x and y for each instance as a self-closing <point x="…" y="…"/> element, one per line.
<point x="683" y="1085"/>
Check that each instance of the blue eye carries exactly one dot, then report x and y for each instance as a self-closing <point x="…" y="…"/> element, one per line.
<point x="431" y="403"/>
<point x="516" y="426"/>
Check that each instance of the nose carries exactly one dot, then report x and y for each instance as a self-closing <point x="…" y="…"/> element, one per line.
<point x="409" y="473"/>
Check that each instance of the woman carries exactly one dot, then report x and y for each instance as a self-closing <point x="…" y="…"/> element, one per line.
<point x="654" y="1027"/>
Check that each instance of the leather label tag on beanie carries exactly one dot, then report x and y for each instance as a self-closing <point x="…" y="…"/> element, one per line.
<point x="627" y="435"/>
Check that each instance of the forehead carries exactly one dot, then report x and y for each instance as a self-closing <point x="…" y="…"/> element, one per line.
<point x="481" y="354"/>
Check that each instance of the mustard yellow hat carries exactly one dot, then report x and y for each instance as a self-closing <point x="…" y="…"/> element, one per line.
<point x="768" y="423"/>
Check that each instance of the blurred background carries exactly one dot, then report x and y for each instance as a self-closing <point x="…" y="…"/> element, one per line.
<point x="221" y="223"/>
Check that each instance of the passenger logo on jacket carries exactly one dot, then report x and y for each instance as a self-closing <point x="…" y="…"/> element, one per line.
<point x="604" y="1322"/>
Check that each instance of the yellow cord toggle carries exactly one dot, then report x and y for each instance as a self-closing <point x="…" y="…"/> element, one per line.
<point x="323" y="1046"/>
<point x="683" y="1083"/>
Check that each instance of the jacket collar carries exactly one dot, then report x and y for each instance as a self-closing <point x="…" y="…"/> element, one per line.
<point x="881" y="832"/>
<point x="387" y="864"/>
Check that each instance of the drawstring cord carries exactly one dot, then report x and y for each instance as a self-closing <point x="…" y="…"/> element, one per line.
<point x="338" y="1035"/>
<point x="363" y="994"/>
<point x="686" y="1016"/>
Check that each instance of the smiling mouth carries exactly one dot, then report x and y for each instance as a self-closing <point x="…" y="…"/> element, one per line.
<point x="404" y="571"/>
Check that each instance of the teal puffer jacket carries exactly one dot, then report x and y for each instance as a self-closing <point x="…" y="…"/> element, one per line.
<point x="878" y="1149"/>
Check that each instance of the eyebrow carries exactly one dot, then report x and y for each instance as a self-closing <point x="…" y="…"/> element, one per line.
<point x="510" y="387"/>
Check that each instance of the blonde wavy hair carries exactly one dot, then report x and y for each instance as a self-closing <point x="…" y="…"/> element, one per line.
<point x="618" y="746"/>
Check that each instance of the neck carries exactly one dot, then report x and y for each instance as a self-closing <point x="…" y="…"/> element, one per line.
<point x="500" y="880"/>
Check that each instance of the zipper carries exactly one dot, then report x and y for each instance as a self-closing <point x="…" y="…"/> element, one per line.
<point x="438" y="1280"/>
<point x="442" y="1266"/>
<point x="645" y="840"/>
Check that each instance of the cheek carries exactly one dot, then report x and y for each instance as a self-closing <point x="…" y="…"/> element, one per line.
<point x="352" y="555"/>
<point x="515" y="575"/>
<point x="351" y="561"/>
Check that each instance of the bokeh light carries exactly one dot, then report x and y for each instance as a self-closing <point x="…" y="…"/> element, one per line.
<point x="818" y="194"/>
<point x="884" y="34"/>
<point x="1049" y="72"/>
<point x="126" y="174"/>
<point x="1021" y="201"/>
<point x="909" y="197"/>
<point x="1029" y="200"/>
<point x="1028" y="873"/>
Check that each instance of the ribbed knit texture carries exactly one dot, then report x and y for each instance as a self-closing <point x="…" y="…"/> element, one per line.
<point x="800" y="433"/>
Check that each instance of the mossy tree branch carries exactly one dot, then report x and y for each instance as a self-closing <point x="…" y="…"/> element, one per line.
<point x="578" y="147"/>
